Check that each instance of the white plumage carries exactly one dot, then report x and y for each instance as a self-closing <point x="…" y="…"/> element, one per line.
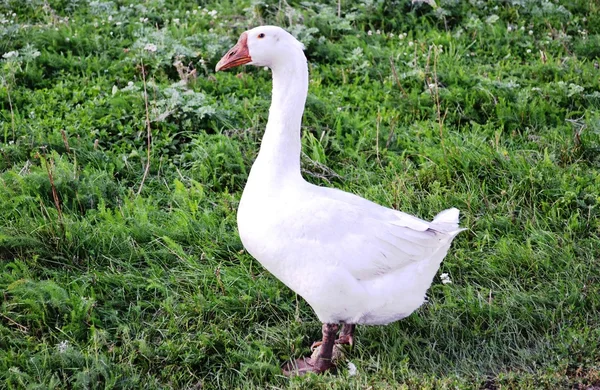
<point x="352" y="260"/>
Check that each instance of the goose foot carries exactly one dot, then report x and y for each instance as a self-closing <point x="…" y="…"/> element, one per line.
<point x="321" y="362"/>
<point x="303" y="366"/>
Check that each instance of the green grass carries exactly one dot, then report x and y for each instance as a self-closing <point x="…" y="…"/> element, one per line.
<point x="491" y="106"/>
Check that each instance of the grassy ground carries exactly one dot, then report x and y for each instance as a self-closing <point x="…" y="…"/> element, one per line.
<point x="114" y="277"/>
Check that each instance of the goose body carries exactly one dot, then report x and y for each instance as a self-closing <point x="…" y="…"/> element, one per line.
<point x="352" y="260"/>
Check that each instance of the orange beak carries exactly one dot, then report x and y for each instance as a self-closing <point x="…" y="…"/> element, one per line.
<point x="236" y="56"/>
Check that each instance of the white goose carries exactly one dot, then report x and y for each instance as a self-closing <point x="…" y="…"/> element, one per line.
<point x="352" y="260"/>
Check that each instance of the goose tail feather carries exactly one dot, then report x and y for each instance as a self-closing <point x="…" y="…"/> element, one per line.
<point x="447" y="221"/>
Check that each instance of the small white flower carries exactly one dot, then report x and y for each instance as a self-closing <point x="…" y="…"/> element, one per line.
<point x="445" y="278"/>
<point x="369" y="32"/>
<point x="339" y="108"/>
<point x="378" y="32"/>
<point x="411" y="43"/>
<point x="352" y="370"/>
<point x="109" y="18"/>
<point x="118" y="23"/>
<point x="528" y="51"/>
<point x="176" y="21"/>
<point x="150" y="47"/>
<point x="62" y="346"/>
<point x="213" y="13"/>
<point x="10" y="54"/>
<point x="194" y="11"/>
<point x="530" y="32"/>
<point x="492" y="19"/>
<point x="130" y="84"/>
<point x="391" y="35"/>
<point x="509" y="28"/>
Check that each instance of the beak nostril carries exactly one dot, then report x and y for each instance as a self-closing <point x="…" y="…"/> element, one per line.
<point x="237" y="55"/>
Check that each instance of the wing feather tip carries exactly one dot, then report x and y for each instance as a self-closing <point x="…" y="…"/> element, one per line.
<point x="450" y="215"/>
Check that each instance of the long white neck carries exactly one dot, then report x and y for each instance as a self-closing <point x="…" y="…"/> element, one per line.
<point x="279" y="155"/>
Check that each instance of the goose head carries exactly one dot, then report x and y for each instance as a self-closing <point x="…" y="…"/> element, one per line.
<point x="261" y="46"/>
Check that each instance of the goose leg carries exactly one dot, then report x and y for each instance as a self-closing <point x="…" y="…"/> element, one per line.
<point x="347" y="335"/>
<point x="322" y="362"/>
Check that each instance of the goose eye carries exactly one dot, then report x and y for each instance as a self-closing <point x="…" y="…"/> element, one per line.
<point x="261" y="35"/>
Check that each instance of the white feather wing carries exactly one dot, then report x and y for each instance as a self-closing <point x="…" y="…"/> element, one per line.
<point x="364" y="238"/>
